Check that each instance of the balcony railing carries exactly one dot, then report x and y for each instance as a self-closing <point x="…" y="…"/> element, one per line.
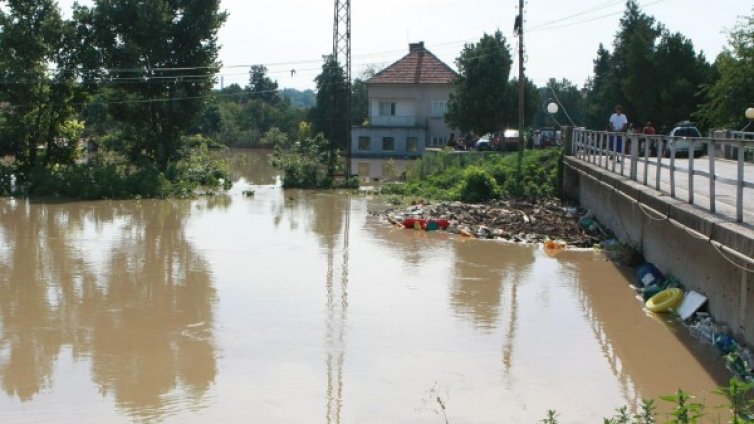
<point x="393" y="121"/>
<point x="715" y="182"/>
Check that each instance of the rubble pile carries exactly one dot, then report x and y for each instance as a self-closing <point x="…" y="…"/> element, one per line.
<point x="513" y="220"/>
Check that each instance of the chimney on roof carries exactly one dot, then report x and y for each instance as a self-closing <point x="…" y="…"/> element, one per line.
<point x="416" y="47"/>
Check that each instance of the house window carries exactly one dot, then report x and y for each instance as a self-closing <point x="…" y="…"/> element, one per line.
<point x="387" y="108"/>
<point x="365" y="143"/>
<point x="412" y="144"/>
<point x="439" y="108"/>
<point x="388" y="144"/>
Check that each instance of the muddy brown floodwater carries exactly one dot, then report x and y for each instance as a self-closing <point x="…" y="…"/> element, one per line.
<point x="299" y="307"/>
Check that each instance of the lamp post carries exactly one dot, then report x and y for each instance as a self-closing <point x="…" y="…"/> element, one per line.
<point x="750" y="116"/>
<point x="552" y="109"/>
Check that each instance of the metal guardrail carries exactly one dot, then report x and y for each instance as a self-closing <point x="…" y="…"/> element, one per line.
<point x="639" y="155"/>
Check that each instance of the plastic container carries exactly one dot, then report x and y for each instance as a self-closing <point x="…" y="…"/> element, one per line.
<point x="648" y="275"/>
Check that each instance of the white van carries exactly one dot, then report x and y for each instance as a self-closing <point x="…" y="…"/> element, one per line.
<point x="680" y="135"/>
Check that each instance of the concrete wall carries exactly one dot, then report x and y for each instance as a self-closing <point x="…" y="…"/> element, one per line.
<point x="376" y="135"/>
<point x="694" y="261"/>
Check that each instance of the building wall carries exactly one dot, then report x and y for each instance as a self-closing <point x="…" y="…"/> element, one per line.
<point x="376" y="136"/>
<point x="370" y="169"/>
<point x="413" y="108"/>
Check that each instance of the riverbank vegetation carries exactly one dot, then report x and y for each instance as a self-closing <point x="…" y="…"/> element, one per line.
<point x="110" y="62"/>
<point x="477" y="177"/>
<point x="683" y="409"/>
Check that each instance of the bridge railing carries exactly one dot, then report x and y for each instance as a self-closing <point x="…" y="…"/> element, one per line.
<point x="655" y="161"/>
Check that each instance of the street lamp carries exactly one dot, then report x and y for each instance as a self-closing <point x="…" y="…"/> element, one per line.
<point x="552" y="109"/>
<point x="750" y="116"/>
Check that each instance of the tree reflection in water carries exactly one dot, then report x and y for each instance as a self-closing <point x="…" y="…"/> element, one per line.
<point x="146" y="320"/>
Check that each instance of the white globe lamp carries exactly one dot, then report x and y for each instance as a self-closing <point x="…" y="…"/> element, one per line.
<point x="750" y="113"/>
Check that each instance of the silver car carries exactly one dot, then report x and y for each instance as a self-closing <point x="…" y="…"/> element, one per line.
<point x="680" y="137"/>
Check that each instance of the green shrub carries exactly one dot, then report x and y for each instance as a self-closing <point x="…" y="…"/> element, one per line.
<point x="477" y="185"/>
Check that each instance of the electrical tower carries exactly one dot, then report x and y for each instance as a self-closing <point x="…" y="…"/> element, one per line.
<point x="341" y="51"/>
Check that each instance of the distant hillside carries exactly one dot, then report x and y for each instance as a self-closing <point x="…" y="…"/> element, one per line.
<point x="302" y="99"/>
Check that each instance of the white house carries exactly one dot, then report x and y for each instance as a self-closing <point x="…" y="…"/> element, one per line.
<point x="407" y="104"/>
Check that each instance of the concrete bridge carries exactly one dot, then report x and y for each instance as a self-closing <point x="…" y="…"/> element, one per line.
<point x="692" y="217"/>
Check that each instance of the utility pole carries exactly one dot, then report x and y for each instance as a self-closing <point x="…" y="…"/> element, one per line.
<point x="521" y="78"/>
<point x="341" y="51"/>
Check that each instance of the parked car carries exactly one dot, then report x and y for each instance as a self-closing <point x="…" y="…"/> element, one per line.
<point x="680" y="136"/>
<point x="509" y="142"/>
<point x="483" y="143"/>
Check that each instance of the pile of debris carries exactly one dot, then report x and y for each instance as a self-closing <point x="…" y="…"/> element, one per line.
<point x="513" y="220"/>
<point x="665" y="294"/>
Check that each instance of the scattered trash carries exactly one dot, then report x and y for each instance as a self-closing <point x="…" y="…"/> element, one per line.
<point x="513" y="220"/>
<point x="666" y="300"/>
<point x="738" y="358"/>
<point x="553" y="248"/>
<point x="648" y="275"/>
<point x="691" y="303"/>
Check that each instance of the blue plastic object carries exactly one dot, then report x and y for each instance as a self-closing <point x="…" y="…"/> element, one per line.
<point x="648" y="275"/>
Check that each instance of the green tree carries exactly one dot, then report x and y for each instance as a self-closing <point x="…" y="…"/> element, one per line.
<point x="653" y="73"/>
<point x="165" y="54"/>
<point x="329" y="115"/>
<point x="570" y="100"/>
<point x="39" y="89"/>
<point x="682" y="72"/>
<point x="261" y="87"/>
<point x="602" y="90"/>
<point x="359" y="102"/>
<point x="727" y="98"/>
<point x="482" y="96"/>
<point x="531" y="101"/>
<point x="632" y="62"/>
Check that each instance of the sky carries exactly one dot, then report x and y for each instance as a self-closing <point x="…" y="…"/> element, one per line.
<point x="561" y="37"/>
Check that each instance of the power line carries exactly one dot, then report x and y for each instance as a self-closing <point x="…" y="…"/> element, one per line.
<point x="596" y="18"/>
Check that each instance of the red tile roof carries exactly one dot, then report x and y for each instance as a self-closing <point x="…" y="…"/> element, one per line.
<point x="419" y="66"/>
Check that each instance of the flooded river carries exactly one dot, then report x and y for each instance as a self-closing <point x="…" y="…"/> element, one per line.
<point x="299" y="307"/>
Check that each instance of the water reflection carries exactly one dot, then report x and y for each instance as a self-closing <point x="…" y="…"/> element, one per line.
<point x="143" y="312"/>
<point x="329" y="218"/>
<point x="253" y="165"/>
<point x="478" y="275"/>
<point x="639" y="360"/>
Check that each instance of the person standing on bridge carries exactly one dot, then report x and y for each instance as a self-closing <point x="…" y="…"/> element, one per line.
<point x="618" y="123"/>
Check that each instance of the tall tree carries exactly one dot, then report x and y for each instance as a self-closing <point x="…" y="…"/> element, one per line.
<point x="37" y="83"/>
<point x="482" y="97"/>
<point x="653" y="73"/>
<point x="164" y="55"/>
<point x="261" y="87"/>
<point x="531" y="100"/>
<point x="727" y="98"/>
<point x="632" y="62"/>
<point x="681" y="73"/>
<point x="571" y="103"/>
<point x="601" y="90"/>
<point x="330" y="110"/>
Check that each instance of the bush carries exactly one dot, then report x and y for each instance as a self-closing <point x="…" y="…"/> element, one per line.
<point x="446" y="176"/>
<point x="113" y="176"/>
<point x="477" y="185"/>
